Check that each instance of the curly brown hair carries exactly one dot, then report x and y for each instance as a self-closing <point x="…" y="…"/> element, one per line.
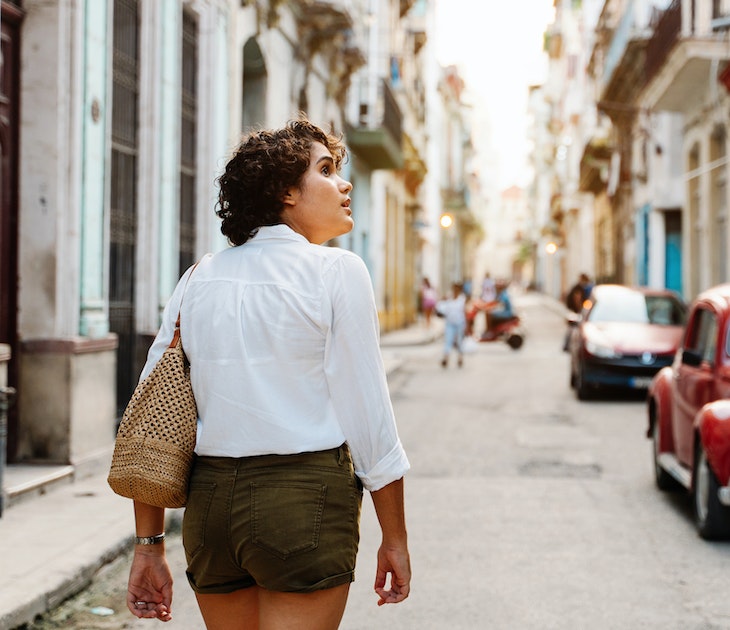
<point x="265" y="165"/>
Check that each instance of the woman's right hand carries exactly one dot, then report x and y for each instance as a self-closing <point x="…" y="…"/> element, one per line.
<point x="149" y="594"/>
<point x="393" y="556"/>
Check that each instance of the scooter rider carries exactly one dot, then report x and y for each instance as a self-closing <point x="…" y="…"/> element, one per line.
<point x="498" y="311"/>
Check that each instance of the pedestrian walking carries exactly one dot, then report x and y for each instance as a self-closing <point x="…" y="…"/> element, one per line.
<point x="579" y="293"/>
<point x="294" y="412"/>
<point x="487" y="295"/>
<point x="429" y="297"/>
<point x="574" y="299"/>
<point x="453" y="310"/>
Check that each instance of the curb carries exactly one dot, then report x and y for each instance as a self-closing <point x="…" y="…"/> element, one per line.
<point x="54" y="596"/>
<point x="23" y="608"/>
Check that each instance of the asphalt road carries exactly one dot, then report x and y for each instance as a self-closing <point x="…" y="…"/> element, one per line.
<point x="526" y="508"/>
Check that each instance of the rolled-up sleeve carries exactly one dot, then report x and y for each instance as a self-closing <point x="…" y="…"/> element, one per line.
<point x="356" y="376"/>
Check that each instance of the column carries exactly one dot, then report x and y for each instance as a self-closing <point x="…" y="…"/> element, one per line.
<point x="94" y="122"/>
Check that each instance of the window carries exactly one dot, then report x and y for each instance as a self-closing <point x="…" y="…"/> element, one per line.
<point x="123" y="216"/>
<point x="702" y="336"/>
<point x="188" y="141"/>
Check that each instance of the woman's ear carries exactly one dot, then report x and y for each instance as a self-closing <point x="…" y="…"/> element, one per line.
<point x="289" y="197"/>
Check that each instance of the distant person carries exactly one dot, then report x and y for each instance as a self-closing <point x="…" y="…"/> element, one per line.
<point x="487" y="295"/>
<point x="466" y="288"/>
<point x="489" y="291"/>
<point x="578" y="293"/>
<point x="574" y="300"/>
<point x="429" y="297"/>
<point x="453" y="310"/>
<point x="499" y="310"/>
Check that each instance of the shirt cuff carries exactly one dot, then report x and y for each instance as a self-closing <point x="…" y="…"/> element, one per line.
<point x="391" y="468"/>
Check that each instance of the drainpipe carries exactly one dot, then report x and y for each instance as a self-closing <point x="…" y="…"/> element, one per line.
<point x="7" y="396"/>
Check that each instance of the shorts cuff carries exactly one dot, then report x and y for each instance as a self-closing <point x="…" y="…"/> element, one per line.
<point x="330" y="582"/>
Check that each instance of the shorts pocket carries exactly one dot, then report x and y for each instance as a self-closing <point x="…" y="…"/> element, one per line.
<point x="200" y="498"/>
<point x="286" y="516"/>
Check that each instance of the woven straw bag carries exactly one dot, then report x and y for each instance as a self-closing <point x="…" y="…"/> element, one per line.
<point x="153" y="452"/>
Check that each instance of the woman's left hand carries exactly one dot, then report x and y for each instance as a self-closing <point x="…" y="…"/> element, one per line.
<point x="149" y="593"/>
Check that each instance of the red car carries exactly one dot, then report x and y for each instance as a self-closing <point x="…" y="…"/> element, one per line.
<point x="689" y="414"/>
<point x="624" y="336"/>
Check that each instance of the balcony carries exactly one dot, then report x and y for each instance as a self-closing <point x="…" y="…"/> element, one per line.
<point x="328" y="17"/>
<point x="666" y="36"/>
<point x="689" y="37"/>
<point x="627" y="79"/>
<point x="377" y="138"/>
<point x="455" y="199"/>
<point x="594" y="166"/>
<point x="405" y="6"/>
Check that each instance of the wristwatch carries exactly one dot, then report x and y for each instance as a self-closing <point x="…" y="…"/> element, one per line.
<point x="149" y="540"/>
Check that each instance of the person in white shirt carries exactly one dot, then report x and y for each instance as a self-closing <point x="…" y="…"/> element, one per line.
<point x="488" y="295"/>
<point x="294" y="412"/>
<point x="453" y="310"/>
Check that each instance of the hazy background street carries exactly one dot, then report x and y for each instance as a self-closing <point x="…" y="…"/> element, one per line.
<point x="526" y="508"/>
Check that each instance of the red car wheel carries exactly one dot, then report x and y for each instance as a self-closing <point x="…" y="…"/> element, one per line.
<point x="711" y="517"/>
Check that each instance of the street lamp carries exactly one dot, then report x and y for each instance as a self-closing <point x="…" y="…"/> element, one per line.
<point x="446" y="220"/>
<point x="551" y="248"/>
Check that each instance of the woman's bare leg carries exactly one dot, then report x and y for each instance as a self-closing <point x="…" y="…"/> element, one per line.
<point x="231" y="611"/>
<point x="321" y="610"/>
<point x="258" y="609"/>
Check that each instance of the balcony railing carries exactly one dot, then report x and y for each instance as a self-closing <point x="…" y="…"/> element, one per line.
<point x="455" y="199"/>
<point x="377" y="136"/>
<point x="666" y="35"/>
<point x="720" y="15"/>
<point x="684" y="19"/>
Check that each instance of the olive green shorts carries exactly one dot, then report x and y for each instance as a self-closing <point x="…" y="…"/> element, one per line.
<point x="283" y="522"/>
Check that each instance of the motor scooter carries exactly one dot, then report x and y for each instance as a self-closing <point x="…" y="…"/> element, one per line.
<point x="510" y="331"/>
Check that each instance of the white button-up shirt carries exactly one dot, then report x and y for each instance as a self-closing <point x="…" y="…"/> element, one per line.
<point x="283" y="342"/>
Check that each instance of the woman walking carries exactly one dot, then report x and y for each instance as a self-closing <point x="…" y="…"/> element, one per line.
<point x="294" y="412"/>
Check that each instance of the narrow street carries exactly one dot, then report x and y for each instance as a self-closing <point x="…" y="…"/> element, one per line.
<point x="527" y="509"/>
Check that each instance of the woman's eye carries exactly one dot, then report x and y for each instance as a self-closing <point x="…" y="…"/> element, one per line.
<point x="325" y="170"/>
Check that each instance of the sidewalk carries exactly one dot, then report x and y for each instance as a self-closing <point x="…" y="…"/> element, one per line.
<point x="53" y="542"/>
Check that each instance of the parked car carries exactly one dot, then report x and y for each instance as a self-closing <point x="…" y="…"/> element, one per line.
<point x="689" y="414"/>
<point x="623" y="337"/>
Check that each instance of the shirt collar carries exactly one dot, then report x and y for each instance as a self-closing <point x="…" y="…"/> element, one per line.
<point x="280" y="231"/>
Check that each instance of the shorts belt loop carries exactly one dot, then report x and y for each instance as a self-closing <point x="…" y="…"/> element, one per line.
<point x="341" y="455"/>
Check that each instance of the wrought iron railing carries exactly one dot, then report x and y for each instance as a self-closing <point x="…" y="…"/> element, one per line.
<point x="383" y="112"/>
<point x="392" y="117"/>
<point x="666" y="34"/>
<point x="720" y="15"/>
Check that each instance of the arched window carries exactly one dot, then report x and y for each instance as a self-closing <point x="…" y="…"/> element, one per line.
<point x="254" y="86"/>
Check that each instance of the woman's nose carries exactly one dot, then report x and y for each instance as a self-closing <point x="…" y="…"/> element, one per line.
<point x="345" y="185"/>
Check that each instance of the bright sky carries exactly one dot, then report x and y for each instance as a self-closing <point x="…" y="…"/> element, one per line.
<point x="497" y="45"/>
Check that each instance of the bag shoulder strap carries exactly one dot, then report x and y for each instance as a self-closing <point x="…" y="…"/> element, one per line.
<point x="176" y="334"/>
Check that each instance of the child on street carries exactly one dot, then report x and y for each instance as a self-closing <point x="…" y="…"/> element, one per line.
<point x="454" y="312"/>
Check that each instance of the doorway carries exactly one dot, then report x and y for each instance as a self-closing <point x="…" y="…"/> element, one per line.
<point x="12" y="17"/>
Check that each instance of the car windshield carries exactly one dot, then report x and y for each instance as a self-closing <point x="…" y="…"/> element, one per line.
<point x="637" y="308"/>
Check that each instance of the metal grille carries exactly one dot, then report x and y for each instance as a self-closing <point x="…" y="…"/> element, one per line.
<point x="10" y="34"/>
<point x="124" y="193"/>
<point x="188" y="140"/>
<point x="666" y="35"/>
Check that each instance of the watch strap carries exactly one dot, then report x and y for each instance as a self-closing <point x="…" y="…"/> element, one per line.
<point x="149" y="540"/>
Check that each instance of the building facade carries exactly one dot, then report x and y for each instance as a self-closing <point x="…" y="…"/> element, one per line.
<point x="116" y="118"/>
<point x="655" y="162"/>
